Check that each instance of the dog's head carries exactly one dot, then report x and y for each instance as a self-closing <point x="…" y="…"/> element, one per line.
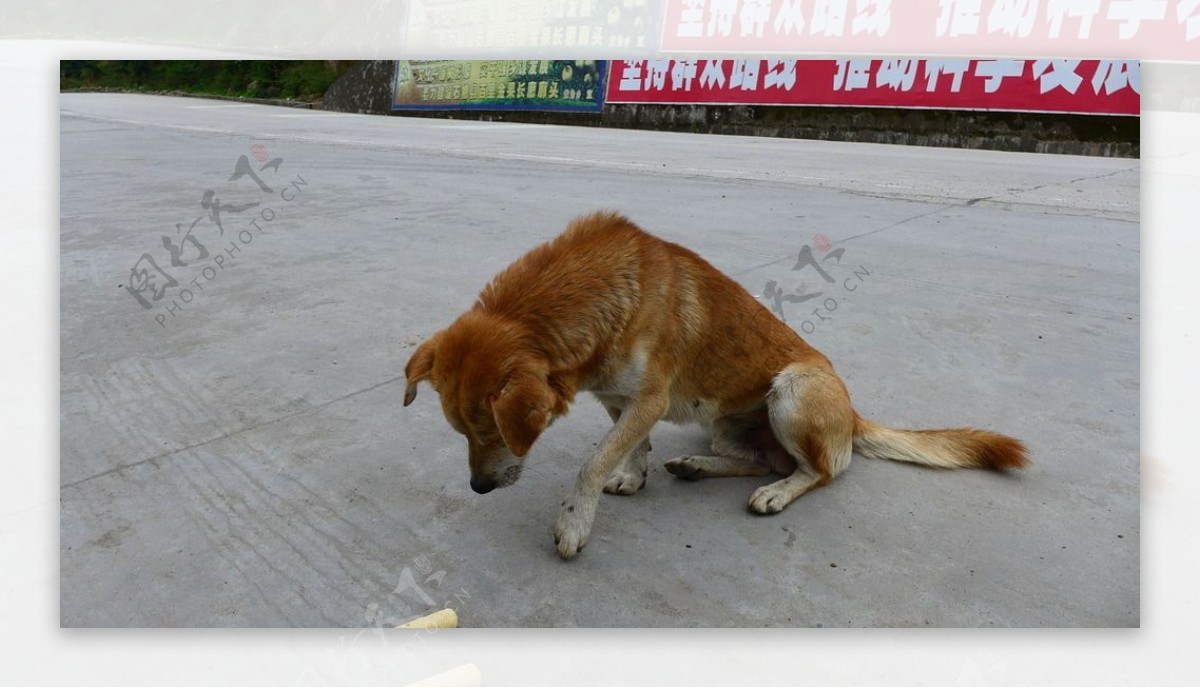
<point x="493" y="390"/>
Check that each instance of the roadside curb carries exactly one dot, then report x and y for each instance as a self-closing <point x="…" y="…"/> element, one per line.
<point x="278" y="102"/>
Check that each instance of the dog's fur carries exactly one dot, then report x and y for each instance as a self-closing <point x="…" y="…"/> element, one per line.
<point x="656" y="333"/>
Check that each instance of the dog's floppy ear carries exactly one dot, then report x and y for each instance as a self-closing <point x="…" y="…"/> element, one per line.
<point x="420" y="366"/>
<point x="523" y="409"/>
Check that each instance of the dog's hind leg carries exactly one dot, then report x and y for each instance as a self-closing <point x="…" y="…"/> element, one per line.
<point x="693" y="467"/>
<point x="742" y="446"/>
<point x="770" y="499"/>
<point x="811" y="417"/>
<point x="630" y="474"/>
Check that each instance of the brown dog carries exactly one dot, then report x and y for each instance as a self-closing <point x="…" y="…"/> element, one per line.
<point x="656" y="333"/>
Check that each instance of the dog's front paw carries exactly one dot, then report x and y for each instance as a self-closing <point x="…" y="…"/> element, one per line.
<point x="685" y="467"/>
<point x="574" y="524"/>
<point x="624" y="482"/>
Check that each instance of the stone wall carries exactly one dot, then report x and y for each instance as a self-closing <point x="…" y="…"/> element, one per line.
<point x="364" y="87"/>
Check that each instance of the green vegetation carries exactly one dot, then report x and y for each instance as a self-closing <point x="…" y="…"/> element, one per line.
<point x="288" y="79"/>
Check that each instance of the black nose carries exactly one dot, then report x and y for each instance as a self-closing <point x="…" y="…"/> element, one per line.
<point x="482" y="485"/>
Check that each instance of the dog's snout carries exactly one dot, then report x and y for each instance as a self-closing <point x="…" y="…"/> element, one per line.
<point x="482" y="485"/>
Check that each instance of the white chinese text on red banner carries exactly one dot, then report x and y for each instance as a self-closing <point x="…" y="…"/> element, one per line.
<point x="1069" y="86"/>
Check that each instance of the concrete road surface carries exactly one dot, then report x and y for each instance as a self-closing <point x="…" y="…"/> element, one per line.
<point x="234" y="331"/>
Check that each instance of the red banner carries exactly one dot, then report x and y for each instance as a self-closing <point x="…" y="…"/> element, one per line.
<point x="1067" y="86"/>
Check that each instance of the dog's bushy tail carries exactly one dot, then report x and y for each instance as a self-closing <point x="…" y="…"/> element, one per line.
<point x="954" y="448"/>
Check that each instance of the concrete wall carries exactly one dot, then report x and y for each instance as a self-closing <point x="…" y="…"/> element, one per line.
<point x="366" y="87"/>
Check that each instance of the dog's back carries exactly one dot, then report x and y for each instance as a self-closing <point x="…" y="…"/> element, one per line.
<point x="604" y="288"/>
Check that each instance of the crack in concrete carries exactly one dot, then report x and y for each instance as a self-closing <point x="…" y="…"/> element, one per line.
<point x="1081" y="179"/>
<point x="228" y="435"/>
<point x="900" y="222"/>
